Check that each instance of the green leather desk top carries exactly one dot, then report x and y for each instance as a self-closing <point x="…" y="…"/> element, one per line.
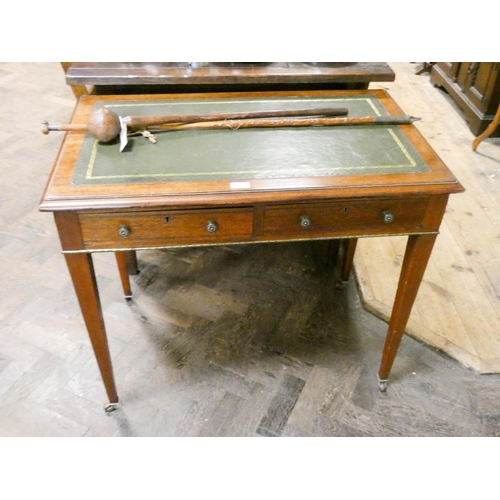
<point x="238" y="155"/>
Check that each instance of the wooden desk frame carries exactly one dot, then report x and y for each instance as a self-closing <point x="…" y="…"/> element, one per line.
<point x="418" y="201"/>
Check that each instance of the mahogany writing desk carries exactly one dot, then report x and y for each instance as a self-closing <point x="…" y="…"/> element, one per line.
<point x="210" y="187"/>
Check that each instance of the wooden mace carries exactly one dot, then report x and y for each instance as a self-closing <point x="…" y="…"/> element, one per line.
<point x="105" y="125"/>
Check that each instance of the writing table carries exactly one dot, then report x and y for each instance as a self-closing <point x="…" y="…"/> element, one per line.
<point x="213" y="187"/>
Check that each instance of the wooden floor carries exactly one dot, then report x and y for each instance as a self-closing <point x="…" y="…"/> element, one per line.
<point x="247" y="340"/>
<point x="458" y="306"/>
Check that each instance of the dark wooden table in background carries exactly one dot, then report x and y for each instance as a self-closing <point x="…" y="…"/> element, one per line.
<point x="323" y="197"/>
<point x="172" y="77"/>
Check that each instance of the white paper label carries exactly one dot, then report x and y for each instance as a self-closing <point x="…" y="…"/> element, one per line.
<point x="239" y="185"/>
<point x="123" y="134"/>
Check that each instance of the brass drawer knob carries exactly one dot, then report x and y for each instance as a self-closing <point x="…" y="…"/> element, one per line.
<point x="211" y="226"/>
<point x="123" y="231"/>
<point x="388" y="217"/>
<point x="305" y="221"/>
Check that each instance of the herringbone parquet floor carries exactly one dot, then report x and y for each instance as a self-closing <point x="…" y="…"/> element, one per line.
<point x="228" y="341"/>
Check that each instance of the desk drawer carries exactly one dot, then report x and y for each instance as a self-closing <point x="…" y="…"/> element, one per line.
<point x="363" y="217"/>
<point x="165" y="228"/>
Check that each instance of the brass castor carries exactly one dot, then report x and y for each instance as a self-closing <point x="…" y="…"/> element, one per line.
<point x="382" y="385"/>
<point x="109" y="407"/>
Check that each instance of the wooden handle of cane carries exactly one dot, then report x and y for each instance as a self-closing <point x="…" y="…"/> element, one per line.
<point x="138" y="122"/>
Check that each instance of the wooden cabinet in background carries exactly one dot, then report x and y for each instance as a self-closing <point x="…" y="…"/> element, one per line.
<point x="475" y="88"/>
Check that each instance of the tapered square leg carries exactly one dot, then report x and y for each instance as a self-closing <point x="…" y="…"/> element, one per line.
<point x="82" y="273"/>
<point x="418" y="251"/>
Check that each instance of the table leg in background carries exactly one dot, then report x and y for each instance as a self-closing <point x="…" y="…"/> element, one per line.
<point x="121" y="260"/>
<point x="491" y="128"/>
<point x="131" y="259"/>
<point x="349" y="246"/>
